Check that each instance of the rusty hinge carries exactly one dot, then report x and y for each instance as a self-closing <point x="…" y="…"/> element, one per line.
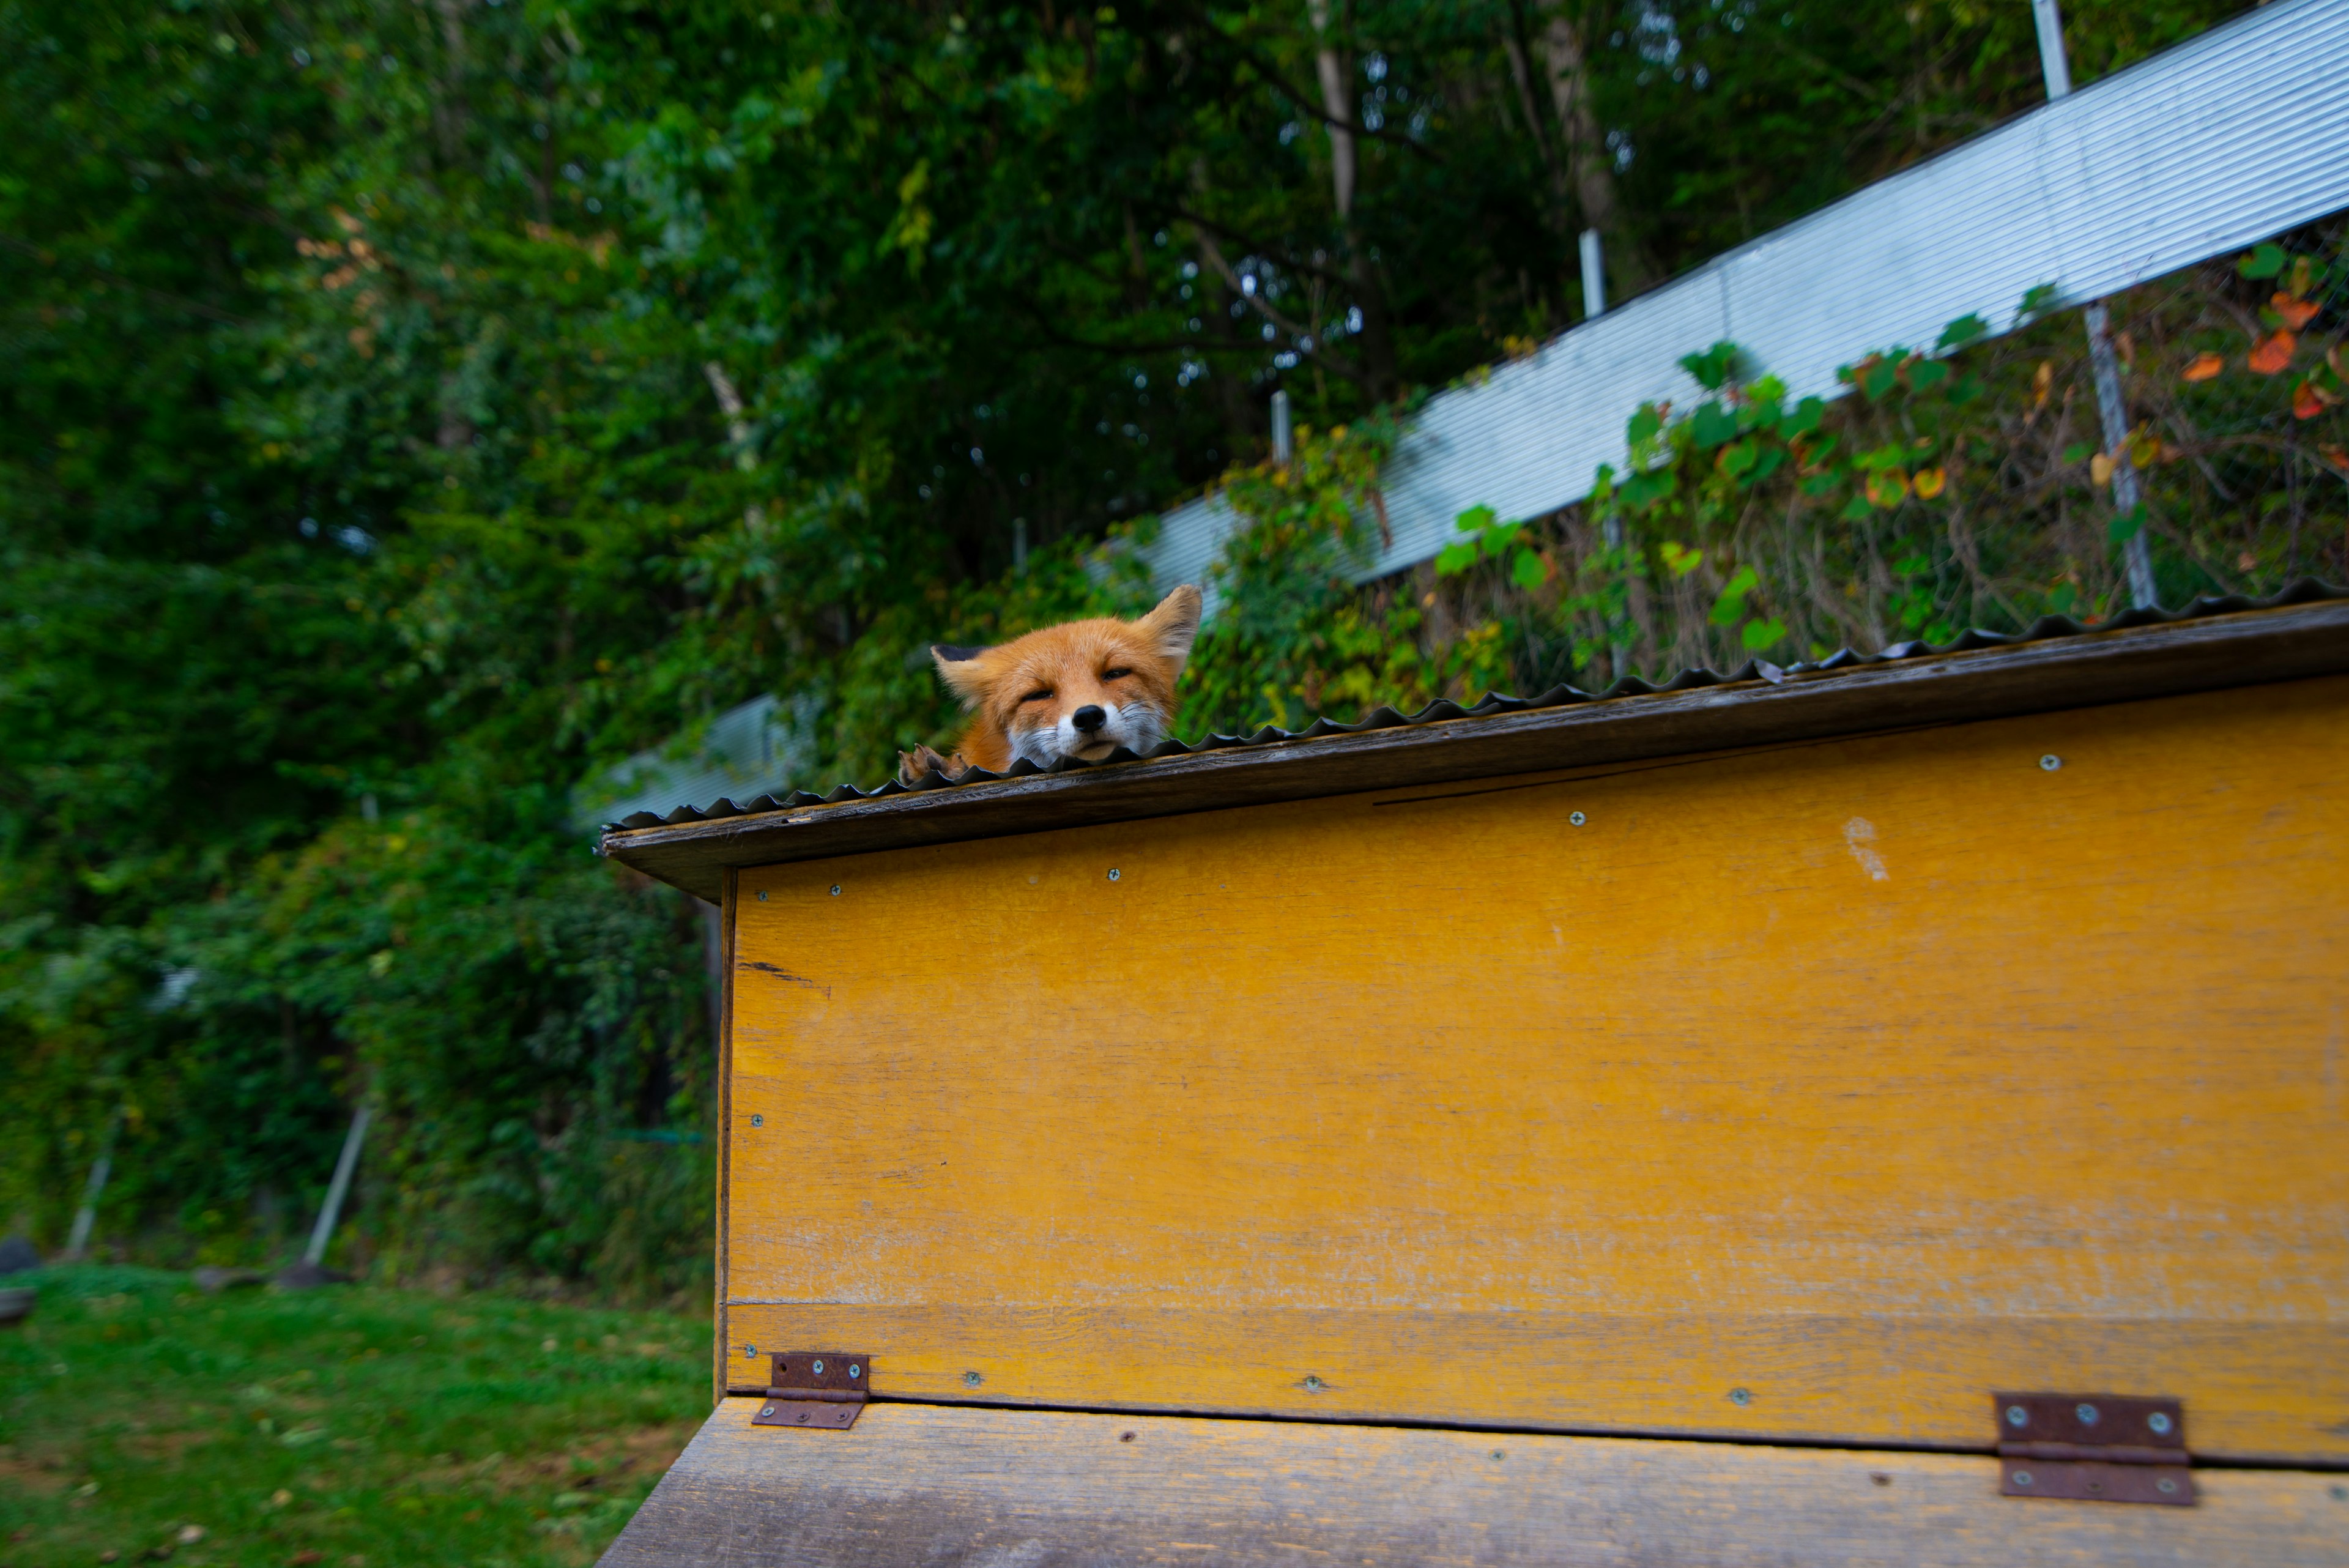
<point x="2093" y="1448"/>
<point x="815" y="1389"/>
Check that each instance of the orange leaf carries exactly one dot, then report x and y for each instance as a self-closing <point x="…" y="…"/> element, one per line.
<point x="1888" y="487"/>
<point x="2273" y="354"/>
<point x="2100" y="469"/>
<point x="2305" y="403"/>
<point x="2205" y="366"/>
<point x="2336" y="457"/>
<point x="2296" y="313"/>
<point x="1931" y="482"/>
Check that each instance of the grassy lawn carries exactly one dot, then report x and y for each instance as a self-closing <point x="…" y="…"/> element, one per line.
<point x="140" y="1419"/>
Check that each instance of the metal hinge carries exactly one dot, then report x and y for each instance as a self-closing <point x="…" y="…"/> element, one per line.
<point x="815" y="1389"/>
<point x="2093" y="1448"/>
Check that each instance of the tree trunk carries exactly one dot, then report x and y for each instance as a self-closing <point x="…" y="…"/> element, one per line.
<point x="1589" y="163"/>
<point x="1377" y="343"/>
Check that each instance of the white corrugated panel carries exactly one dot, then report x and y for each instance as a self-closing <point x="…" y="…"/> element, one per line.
<point x="748" y="751"/>
<point x="2220" y="142"/>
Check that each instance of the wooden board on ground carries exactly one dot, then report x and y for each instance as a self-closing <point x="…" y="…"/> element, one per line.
<point x="1813" y="1092"/>
<point x="938" y="1485"/>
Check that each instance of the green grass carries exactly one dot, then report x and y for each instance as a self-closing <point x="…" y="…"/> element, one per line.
<point x="346" y="1427"/>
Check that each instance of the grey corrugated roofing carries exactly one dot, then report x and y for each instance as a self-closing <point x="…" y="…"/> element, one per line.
<point x="2228" y="139"/>
<point x="2306" y="590"/>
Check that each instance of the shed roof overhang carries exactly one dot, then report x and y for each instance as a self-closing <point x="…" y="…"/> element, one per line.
<point x="2303" y="632"/>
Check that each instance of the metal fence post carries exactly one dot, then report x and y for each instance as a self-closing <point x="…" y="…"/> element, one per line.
<point x="1593" y="276"/>
<point x="332" y="1210"/>
<point x="2112" y="409"/>
<point x="77" y="1241"/>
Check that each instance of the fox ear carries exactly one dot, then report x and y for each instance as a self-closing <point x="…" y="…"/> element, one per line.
<point x="959" y="668"/>
<point x="1173" y="625"/>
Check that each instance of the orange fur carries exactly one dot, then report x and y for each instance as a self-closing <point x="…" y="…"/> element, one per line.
<point x="1078" y="690"/>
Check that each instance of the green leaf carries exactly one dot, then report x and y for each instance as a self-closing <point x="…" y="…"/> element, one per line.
<point x="1967" y="389"/>
<point x="2127" y="524"/>
<point x="1645" y="489"/>
<point x="2035" y="302"/>
<point x="1499" y="537"/>
<point x="1455" y="559"/>
<point x="2264" y="261"/>
<point x="1821" y="484"/>
<point x="1854" y="510"/>
<point x="1644" y="425"/>
<point x="1526" y="571"/>
<point x="1759" y="635"/>
<point x="2064" y="596"/>
<point x="1961" y="331"/>
<point x="2078" y="452"/>
<point x="1880" y="377"/>
<point x="1716" y="367"/>
<point x="1475" y="520"/>
<point x="1766" y="464"/>
<point x="1713" y="425"/>
<point x="1926" y="374"/>
<point x="1678" y="560"/>
<point x="1802" y="418"/>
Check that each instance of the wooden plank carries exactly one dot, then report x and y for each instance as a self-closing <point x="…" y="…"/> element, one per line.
<point x="932" y="1485"/>
<point x="1865" y="1077"/>
<point x="2041" y="677"/>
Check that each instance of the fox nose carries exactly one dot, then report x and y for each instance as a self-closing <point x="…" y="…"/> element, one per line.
<point x="1089" y="718"/>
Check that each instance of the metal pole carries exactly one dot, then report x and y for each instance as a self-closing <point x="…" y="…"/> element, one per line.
<point x="325" y="1231"/>
<point x="1283" y="445"/>
<point x="1593" y="276"/>
<point x="86" y="1215"/>
<point x="2112" y="409"/>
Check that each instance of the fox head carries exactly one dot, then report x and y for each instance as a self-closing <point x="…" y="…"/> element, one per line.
<point x="1080" y="691"/>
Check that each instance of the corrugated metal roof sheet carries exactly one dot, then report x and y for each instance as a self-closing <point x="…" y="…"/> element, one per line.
<point x="2222" y="142"/>
<point x="2307" y="590"/>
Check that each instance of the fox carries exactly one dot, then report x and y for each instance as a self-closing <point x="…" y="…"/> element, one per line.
<point x="1080" y="690"/>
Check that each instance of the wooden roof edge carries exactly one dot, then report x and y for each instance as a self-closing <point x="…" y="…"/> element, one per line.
<point x="2091" y="668"/>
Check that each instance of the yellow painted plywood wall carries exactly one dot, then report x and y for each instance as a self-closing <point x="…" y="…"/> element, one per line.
<point x="1817" y="1091"/>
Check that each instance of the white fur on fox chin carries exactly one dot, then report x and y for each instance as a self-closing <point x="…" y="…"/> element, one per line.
<point x="1136" y="726"/>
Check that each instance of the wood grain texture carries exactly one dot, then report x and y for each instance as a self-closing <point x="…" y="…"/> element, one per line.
<point x="1866" y="1077"/>
<point x="2029" y="677"/>
<point x="939" y="1487"/>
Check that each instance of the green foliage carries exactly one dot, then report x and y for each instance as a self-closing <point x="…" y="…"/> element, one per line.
<point x="405" y="1428"/>
<point x="407" y="412"/>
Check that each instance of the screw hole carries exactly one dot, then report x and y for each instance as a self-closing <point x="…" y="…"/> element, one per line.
<point x="1125" y="1437"/>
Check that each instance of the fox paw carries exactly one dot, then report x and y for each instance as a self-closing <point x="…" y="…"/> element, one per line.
<point x="921" y="763"/>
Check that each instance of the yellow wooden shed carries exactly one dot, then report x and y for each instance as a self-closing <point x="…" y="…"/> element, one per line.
<point x="1891" y="1111"/>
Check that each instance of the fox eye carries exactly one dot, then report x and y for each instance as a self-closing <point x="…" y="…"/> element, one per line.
<point x="1041" y="694"/>
<point x="1119" y="674"/>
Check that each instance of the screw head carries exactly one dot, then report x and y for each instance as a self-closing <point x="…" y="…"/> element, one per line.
<point x="1113" y="873"/>
<point x="769" y="1410"/>
<point x="1741" y="1396"/>
<point x="2165" y="1486"/>
<point x="2016" y="1416"/>
<point x="854" y="1369"/>
<point x="763" y="894"/>
<point x="749" y="1352"/>
<point x="758" y="1120"/>
<point x="2087" y="1413"/>
<point x="2050" y="763"/>
<point x="1312" y="1384"/>
<point x="2159" y="1422"/>
<point x="819" y="1369"/>
<point x="835" y="890"/>
<point x="972" y="1380"/>
<point x="1577" y="818"/>
<point x="2023" y="1477"/>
